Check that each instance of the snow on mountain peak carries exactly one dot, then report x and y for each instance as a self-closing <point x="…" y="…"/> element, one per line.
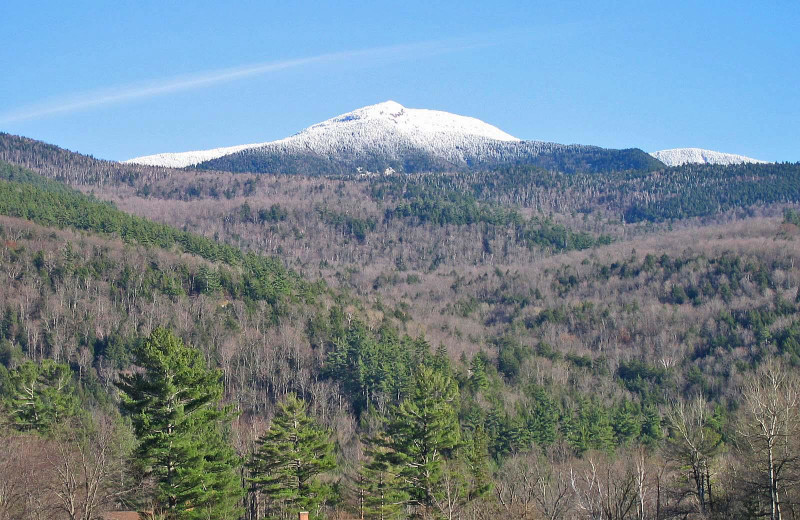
<point x="394" y="117"/>
<point x="385" y="127"/>
<point x="679" y="156"/>
<point x="390" y="131"/>
<point x="386" y="109"/>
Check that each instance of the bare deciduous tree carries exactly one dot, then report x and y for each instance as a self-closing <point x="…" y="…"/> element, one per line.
<point x="24" y="479"/>
<point x="531" y="485"/>
<point x="771" y="420"/>
<point x="88" y="466"/>
<point x="693" y="443"/>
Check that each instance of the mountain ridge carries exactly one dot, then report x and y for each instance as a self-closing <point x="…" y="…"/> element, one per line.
<point x="373" y="123"/>
<point x="389" y="136"/>
<point x="680" y="156"/>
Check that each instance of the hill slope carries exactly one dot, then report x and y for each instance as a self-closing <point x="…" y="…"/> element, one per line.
<point x="571" y="350"/>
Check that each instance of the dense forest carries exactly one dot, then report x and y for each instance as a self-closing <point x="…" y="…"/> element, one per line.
<point x="274" y="158"/>
<point x="522" y="341"/>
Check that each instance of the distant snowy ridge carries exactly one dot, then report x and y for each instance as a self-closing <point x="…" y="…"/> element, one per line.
<point x="184" y="159"/>
<point x="385" y="129"/>
<point x="679" y="156"/>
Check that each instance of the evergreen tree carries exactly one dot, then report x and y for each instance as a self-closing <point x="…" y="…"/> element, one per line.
<point x="422" y="433"/>
<point x="541" y="416"/>
<point x="380" y="488"/>
<point x="477" y="458"/>
<point x="370" y="369"/>
<point x="465" y="476"/>
<point x="626" y="422"/>
<point x="651" y="433"/>
<point x="207" y="280"/>
<point x="588" y="427"/>
<point x="178" y="421"/>
<point x="40" y="395"/>
<point x="290" y="456"/>
<point x="478" y="380"/>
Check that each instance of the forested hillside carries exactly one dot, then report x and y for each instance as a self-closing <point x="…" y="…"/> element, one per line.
<point x="566" y="158"/>
<point x="519" y="342"/>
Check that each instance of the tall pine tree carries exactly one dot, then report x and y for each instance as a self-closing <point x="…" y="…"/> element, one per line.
<point x="290" y="456"/>
<point x="174" y="405"/>
<point x="423" y="432"/>
<point x="380" y="489"/>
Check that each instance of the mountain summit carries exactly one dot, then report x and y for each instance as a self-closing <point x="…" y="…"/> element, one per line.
<point x="386" y="126"/>
<point x="390" y="136"/>
<point x="393" y="119"/>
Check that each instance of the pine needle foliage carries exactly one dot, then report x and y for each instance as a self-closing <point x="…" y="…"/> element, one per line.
<point x="40" y="396"/>
<point x="290" y="457"/>
<point x="174" y="406"/>
<point x="423" y="433"/>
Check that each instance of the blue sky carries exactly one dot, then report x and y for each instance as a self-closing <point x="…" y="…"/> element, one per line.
<point x="121" y="79"/>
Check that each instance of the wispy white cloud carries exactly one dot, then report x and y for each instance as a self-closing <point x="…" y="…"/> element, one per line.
<point x="122" y="94"/>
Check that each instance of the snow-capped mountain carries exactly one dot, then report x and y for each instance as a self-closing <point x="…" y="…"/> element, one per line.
<point x="679" y="156"/>
<point x="391" y="136"/>
<point x="386" y="127"/>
